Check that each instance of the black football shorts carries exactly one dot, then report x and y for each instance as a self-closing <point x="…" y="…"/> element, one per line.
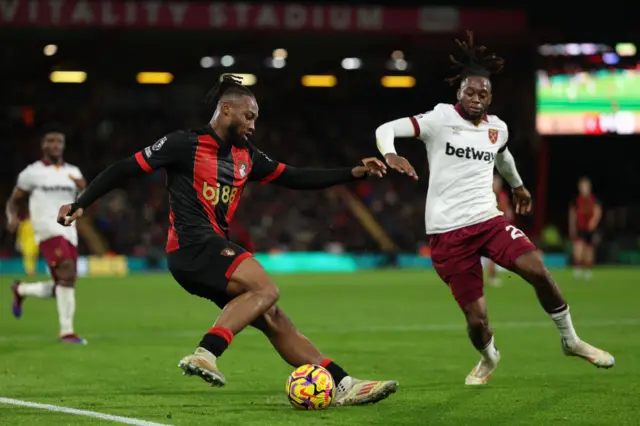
<point x="204" y="269"/>
<point x="585" y="236"/>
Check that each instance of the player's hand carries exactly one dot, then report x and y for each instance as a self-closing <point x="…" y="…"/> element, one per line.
<point x="13" y="221"/>
<point x="401" y="165"/>
<point x="67" y="215"/>
<point x="371" y="167"/>
<point x="522" y="200"/>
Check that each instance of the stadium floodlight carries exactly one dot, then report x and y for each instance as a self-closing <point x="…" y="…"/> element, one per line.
<point x="397" y="55"/>
<point x="280" y="54"/>
<point x="68" y="76"/>
<point x="626" y="49"/>
<point x="400" y="64"/>
<point x="50" y="50"/>
<point x="148" y="77"/>
<point x="398" y="81"/>
<point x="227" y="61"/>
<point x="278" y="63"/>
<point x="207" y="62"/>
<point x="319" y="80"/>
<point x="351" y="63"/>
<point x="247" y="79"/>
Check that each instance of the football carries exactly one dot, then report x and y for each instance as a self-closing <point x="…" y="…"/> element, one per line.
<point x="310" y="387"/>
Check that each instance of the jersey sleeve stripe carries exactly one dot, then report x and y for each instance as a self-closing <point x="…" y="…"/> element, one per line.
<point x="143" y="163"/>
<point x="274" y="175"/>
<point x="416" y="126"/>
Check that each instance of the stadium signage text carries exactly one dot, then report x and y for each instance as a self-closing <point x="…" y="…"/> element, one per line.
<point x="238" y="16"/>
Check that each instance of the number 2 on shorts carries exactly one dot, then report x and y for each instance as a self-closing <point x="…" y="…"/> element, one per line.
<point x="515" y="232"/>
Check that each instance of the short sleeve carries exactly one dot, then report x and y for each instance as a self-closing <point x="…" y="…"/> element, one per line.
<point x="76" y="173"/>
<point x="164" y="152"/>
<point x="264" y="169"/>
<point x="426" y="125"/>
<point x="25" y="180"/>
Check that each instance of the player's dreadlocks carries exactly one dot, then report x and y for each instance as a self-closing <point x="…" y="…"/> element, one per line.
<point x="476" y="62"/>
<point x="229" y="84"/>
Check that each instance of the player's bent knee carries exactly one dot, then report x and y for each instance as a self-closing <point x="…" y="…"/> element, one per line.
<point x="66" y="273"/>
<point x="477" y="320"/>
<point x="273" y="321"/>
<point x="250" y="276"/>
<point x="532" y="265"/>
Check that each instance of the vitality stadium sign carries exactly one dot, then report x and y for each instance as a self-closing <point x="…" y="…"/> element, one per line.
<point x="255" y="17"/>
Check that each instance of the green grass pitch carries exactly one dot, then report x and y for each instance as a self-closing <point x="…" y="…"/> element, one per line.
<point x="596" y="92"/>
<point x="381" y="325"/>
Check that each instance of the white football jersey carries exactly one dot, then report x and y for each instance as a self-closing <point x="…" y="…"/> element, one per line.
<point x="50" y="187"/>
<point x="461" y="161"/>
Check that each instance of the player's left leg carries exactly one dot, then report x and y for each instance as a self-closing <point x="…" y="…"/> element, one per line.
<point x="588" y="257"/>
<point x="510" y="248"/>
<point x="65" y="279"/>
<point x="578" y="248"/>
<point x="456" y="259"/>
<point x="297" y="350"/>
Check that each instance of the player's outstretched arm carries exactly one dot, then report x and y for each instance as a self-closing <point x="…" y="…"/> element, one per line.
<point x="110" y="178"/>
<point x="313" y="178"/>
<point x="165" y="152"/>
<point x="385" y="139"/>
<point x="265" y="170"/>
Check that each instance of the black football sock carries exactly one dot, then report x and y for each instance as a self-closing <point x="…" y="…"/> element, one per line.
<point x="335" y="370"/>
<point x="217" y="340"/>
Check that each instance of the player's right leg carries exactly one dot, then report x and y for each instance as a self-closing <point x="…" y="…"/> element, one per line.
<point x="457" y="261"/>
<point x="229" y="276"/>
<point x="297" y="350"/>
<point x="578" y="251"/>
<point x="40" y="289"/>
<point x="20" y="290"/>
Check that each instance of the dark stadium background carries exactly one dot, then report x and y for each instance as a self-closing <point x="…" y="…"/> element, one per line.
<point x="110" y="116"/>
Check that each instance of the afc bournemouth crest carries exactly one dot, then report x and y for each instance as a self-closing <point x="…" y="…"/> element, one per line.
<point x="243" y="168"/>
<point x="228" y="252"/>
<point x="493" y="135"/>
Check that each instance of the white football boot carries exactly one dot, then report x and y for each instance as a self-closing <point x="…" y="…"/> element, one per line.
<point x="595" y="356"/>
<point x="482" y="372"/>
<point x="202" y="363"/>
<point x="352" y="391"/>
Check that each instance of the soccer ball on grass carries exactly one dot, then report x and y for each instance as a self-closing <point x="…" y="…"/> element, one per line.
<point x="310" y="387"/>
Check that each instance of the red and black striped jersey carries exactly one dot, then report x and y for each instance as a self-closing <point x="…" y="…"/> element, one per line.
<point x="585" y="210"/>
<point x="205" y="177"/>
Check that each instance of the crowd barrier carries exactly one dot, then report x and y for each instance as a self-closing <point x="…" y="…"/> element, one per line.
<point x="297" y="262"/>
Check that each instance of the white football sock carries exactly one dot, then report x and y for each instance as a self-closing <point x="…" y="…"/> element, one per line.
<point x="490" y="352"/>
<point x="66" y="298"/>
<point x="565" y="326"/>
<point x="43" y="289"/>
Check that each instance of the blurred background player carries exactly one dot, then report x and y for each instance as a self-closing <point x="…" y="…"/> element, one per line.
<point x="585" y="213"/>
<point x="504" y="205"/>
<point x="463" y="145"/>
<point x="47" y="184"/>
<point x="27" y="246"/>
